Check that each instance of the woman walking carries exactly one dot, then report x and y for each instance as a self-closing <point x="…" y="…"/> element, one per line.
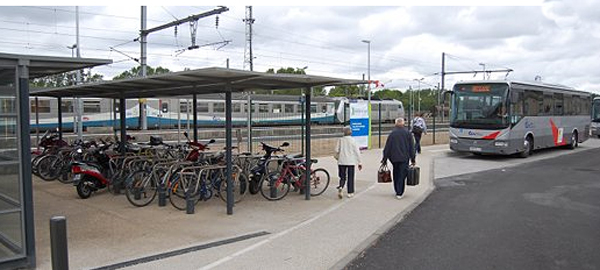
<point x="347" y="154"/>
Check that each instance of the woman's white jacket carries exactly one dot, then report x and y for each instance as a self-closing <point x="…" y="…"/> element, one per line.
<point x="347" y="151"/>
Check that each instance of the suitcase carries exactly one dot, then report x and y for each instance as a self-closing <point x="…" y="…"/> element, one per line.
<point x="413" y="176"/>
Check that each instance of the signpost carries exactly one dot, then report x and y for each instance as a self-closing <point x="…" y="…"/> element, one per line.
<point x="360" y="123"/>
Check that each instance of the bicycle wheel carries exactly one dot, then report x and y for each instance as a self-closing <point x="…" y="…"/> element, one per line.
<point x="240" y="186"/>
<point x="319" y="181"/>
<point x="180" y="185"/>
<point x="141" y="188"/>
<point x="45" y="169"/>
<point x="273" y="188"/>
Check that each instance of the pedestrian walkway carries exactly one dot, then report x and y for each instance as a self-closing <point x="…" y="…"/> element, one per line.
<point x="323" y="233"/>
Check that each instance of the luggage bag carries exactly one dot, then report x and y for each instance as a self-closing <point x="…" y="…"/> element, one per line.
<point x="413" y="176"/>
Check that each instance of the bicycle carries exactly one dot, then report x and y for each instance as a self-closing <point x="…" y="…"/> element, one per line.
<point x="277" y="184"/>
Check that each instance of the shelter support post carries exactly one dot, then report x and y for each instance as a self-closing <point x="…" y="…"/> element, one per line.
<point x="228" y="152"/>
<point x="122" y="119"/>
<point x="379" y="130"/>
<point x="60" y="124"/>
<point x="24" y="146"/>
<point x="37" y="123"/>
<point x="195" y="112"/>
<point x="307" y="144"/>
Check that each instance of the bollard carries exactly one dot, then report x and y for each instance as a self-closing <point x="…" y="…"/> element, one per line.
<point x="189" y="202"/>
<point x="58" y="243"/>
<point x="162" y="196"/>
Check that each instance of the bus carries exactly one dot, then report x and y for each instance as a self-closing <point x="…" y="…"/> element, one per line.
<point x="596" y="117"/>
<point x="509" y="117"/>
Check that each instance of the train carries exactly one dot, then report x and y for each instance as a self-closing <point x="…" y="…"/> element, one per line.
<point x="266" y="110"/>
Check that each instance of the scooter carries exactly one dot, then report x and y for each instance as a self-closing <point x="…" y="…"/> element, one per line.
<point x="197" y="148"/>
<point x="89" y="177"/>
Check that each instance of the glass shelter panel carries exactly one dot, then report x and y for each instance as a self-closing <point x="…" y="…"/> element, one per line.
<point x="11" y="202"/>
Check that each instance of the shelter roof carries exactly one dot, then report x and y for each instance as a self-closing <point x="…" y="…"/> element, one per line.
<point x="41" y="66"/>
<point x="199" y="81"/>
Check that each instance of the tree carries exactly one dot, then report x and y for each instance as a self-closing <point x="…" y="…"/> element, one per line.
<point x="346" y="91"/>
<point x="137" y="71"/>
<point x="65" y="79"/>
<point x="317" y="91"/>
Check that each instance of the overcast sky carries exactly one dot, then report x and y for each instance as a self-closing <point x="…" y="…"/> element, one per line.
<point x="557" y="40"/>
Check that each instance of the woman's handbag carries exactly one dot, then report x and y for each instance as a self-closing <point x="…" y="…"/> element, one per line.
<point x="383" y="174"/>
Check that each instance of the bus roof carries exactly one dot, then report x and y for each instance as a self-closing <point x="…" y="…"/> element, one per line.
<point x="531" y="84"/>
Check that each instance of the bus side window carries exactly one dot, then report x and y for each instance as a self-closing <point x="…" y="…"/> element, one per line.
<point x="516" y="106"/>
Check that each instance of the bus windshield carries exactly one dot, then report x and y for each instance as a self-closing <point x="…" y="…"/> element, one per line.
<point x="596" y="111"/>
<point x="480" y="106"/>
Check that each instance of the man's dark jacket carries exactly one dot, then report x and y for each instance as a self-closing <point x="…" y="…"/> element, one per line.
<point x="399" y="146"/>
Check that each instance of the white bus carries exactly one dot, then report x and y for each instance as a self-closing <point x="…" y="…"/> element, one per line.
<point x="596" y="117"/>
<point x="507" y="117"/>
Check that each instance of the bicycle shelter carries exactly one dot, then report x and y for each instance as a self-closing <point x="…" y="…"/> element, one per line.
<point x="196" y="82"/>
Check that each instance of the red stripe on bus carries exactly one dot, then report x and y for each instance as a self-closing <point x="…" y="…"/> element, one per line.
<point x="491" y="136"/>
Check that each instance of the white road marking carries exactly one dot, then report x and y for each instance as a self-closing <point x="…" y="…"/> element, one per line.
<point x="282" y="233"/>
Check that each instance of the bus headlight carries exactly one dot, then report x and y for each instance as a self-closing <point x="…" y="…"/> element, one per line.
<point x="501" y="144"/>
<point x="453" y="140"/>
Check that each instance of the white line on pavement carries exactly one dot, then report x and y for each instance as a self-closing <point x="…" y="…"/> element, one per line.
<point x="284" y="232"/>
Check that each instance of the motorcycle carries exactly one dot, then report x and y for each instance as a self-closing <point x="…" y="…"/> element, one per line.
<point x="261" y="169"/>
<point x="89" y="177"/>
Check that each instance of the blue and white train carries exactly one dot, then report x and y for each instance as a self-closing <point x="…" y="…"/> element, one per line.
<point x="267" y="110"/>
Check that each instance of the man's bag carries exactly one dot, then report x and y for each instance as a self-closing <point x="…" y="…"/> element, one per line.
<point x="384" y="175"/>
<point x="413" y="176"/>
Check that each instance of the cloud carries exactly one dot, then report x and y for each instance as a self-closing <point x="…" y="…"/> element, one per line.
<point x="557" y="40"/>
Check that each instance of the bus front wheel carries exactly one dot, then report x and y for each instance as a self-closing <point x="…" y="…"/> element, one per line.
<point x="528" y="147"/>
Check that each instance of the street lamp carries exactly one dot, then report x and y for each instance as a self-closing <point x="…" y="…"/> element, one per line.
<point x="368" y="69"/>
<point x="483" y="65"/>
<point x="419" y="92"/>
<point x="72" y="48"/>
<point x="369" y="84"/>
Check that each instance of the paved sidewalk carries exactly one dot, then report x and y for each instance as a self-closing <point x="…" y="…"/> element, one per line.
<point x="330" y="238"/>
<point x="106" y="232"/>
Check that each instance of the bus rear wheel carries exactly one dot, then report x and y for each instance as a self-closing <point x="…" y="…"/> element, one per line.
<point x="574" y="140"/>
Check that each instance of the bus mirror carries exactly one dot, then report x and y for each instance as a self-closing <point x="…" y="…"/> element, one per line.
<point x="446" y="93"/>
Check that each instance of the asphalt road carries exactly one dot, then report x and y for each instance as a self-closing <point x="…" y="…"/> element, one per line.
<point x="540" y="215"/>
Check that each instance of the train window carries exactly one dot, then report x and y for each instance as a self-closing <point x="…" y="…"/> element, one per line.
<point x="277" y="108"/>
<point x="374" y="107"/>
<point x="218" y="107"/>
<point x="66" y="106"/>
<point x="164" y="107"/>
<point x="288" y="108"/>
<point x="91" y="106"/>
<point x="324" y="108"/>
<point x="237" y="107"/>
<point x="263" y="108"/>
<point x="183" y="107"/>
<point x="313" y="108"/>
<point x="202" y="107"/>
<point x="43" y="106"/>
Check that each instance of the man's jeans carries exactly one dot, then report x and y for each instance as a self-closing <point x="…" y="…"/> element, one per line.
<point x="400" y="172"/>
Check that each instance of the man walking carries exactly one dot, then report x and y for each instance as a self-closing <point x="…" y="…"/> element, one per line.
<point x="418" y="129"/>
<point x="399" y="150"/>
